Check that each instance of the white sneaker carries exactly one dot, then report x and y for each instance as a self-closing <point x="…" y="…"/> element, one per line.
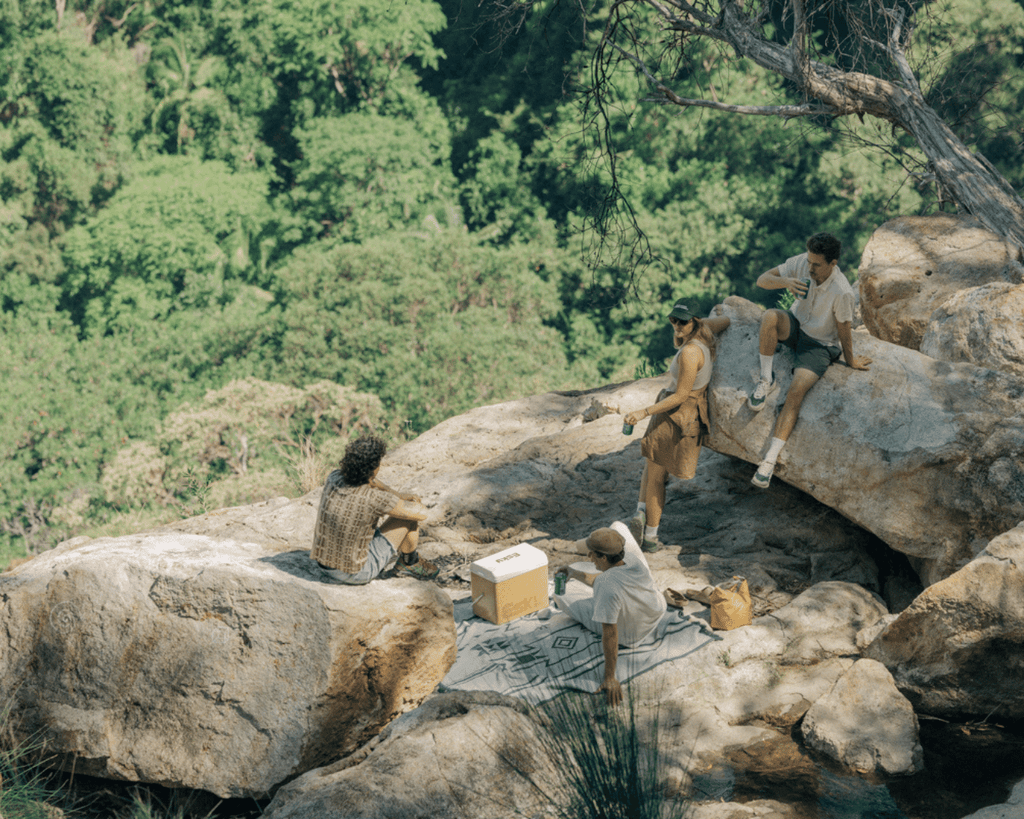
<point x="763" y="476"/>
<point x="762" y="390"/>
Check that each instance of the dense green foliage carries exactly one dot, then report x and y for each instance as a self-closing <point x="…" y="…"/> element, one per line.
<point x="234" y="233"/>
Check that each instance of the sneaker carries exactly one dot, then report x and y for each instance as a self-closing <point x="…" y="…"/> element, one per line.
<point x="421" y="569"/>
<point x="637" y="524"/>
<point x="763" y="476"/>
<point x="764" y="388"/>
<point x="651" y="544"/>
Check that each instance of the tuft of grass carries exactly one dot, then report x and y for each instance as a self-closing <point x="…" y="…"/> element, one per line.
<point x="179" y="805"/>
<point x="610" y="761"/>
<point x="310" y="467"/>
<point x="26" y="788"/>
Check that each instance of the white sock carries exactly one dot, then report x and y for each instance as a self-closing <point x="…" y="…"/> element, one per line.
<point x="766" y="367"/>
<point x="650" y="533"/>
<point x="641" y="507"/>
<point x="774" y="449"/>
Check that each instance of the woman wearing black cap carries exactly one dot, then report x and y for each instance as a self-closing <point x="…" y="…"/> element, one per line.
<point x="679" y="419"/>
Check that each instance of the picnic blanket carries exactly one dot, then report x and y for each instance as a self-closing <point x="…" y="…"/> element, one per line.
<point x="536" y="659"/>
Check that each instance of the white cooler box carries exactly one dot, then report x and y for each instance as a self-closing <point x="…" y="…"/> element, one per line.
<point x="509" y="584"/>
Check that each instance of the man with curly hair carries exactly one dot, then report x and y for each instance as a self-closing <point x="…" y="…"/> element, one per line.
<point x="352" y="541"/>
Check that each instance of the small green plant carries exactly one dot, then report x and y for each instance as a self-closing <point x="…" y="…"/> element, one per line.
<point x="647" y="368"/>
<point x="786" y="300"/>
<point x="725" y="659"/>
<point x="196" y="489"/>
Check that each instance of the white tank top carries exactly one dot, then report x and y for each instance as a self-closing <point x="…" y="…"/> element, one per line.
<point x="703" y="374"/>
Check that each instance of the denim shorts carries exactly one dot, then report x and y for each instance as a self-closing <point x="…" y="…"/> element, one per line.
<point x="379" y="555"/>
<point x="810" y="354"/>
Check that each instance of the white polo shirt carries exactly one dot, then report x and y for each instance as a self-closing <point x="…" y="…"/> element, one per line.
<point x="825" y="304"/>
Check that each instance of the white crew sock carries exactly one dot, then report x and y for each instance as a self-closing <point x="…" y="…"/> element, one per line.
<point x="650" y="533"/>
<point x="774" y="449"/>
<point x="766" y="367"/>
<point x="641" y="507"/>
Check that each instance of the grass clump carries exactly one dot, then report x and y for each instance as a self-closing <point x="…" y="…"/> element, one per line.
<point x="610" y="760"/>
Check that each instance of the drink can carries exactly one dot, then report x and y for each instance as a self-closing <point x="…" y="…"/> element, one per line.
<point x="807" y="283"/>
<point x="627" y="429"/>
<point x="560" y="583"/>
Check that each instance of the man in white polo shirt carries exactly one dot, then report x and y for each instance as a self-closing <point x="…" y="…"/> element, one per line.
<point x="624" y="606"/>
<point x="818" y="329"/>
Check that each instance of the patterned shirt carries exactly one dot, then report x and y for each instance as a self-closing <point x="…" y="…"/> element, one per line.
<point x="346" y="522"/>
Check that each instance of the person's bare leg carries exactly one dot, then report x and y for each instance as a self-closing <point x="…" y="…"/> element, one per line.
<point x="654" y="492"/>
<point x="774" y="328"/>
<point x="404" y="535"/>
<point x="803" y="380"/>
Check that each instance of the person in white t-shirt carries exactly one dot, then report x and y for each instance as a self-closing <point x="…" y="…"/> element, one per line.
<point x="818" y="329"/>
<point x="624" y="606"/>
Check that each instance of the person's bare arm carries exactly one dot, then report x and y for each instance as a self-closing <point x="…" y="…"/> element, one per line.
<point x="610" y="645"/>
<point x="845" y="331"/>
<point x="716" y="324"/>
<point x="406" y="496"/>
<point x="408" y="510"/>
<point x="771" y="280"/>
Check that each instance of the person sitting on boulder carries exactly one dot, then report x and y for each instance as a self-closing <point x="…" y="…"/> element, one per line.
<point x="815" y="329"/>
<point x="624" y="606"/>
<point x="350" y="540"/>
<point x="679" y="416"/>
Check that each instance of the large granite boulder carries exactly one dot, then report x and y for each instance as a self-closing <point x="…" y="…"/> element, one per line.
<point x="981" y="325"/>
<point x="958" y="649"/>
<point x="913" y="264"/>
<point x="461" y="755"/>
<point x="927" y="455"/>
<point x="865" y="723"/>
<point x="209" y="663"/>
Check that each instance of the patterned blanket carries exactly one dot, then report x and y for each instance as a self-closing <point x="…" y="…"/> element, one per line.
<point x="536" y="659"/>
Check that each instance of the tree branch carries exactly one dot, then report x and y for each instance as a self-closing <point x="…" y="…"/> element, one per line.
<point x="785" y="111"/>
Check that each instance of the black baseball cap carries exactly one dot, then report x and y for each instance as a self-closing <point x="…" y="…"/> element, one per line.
<point x="682" y="312"/>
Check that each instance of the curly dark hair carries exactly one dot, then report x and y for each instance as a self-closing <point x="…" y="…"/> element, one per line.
<point x="362" y="457"/>
<point x="825" y="244"/>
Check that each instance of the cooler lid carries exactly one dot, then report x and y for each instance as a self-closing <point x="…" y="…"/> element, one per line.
<point x="509" y="563"/>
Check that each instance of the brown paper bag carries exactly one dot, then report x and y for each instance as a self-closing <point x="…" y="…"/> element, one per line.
<point x="730" y="605"/>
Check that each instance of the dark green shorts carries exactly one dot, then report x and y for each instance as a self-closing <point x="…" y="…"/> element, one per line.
<point x="809" y="353"/>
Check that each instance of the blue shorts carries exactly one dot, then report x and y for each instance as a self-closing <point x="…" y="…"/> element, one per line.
<point x="379" y="555"/>
<point x="810" y="354"/>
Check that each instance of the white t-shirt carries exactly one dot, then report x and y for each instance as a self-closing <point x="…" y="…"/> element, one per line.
<point x="626" y="594"/>
<point x="825" y="304"/>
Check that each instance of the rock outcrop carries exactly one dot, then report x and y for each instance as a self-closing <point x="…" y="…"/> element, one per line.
<point x="927" y="455"/>
<point x="958" y="649"/>
<point x="982" y="325"/>
<point x="865" y="723"/>
<point x="461" y="755"/>
<point x="913" y="264"/>
<point x="1012" y="808"/>
<point x="207" y="663"/>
